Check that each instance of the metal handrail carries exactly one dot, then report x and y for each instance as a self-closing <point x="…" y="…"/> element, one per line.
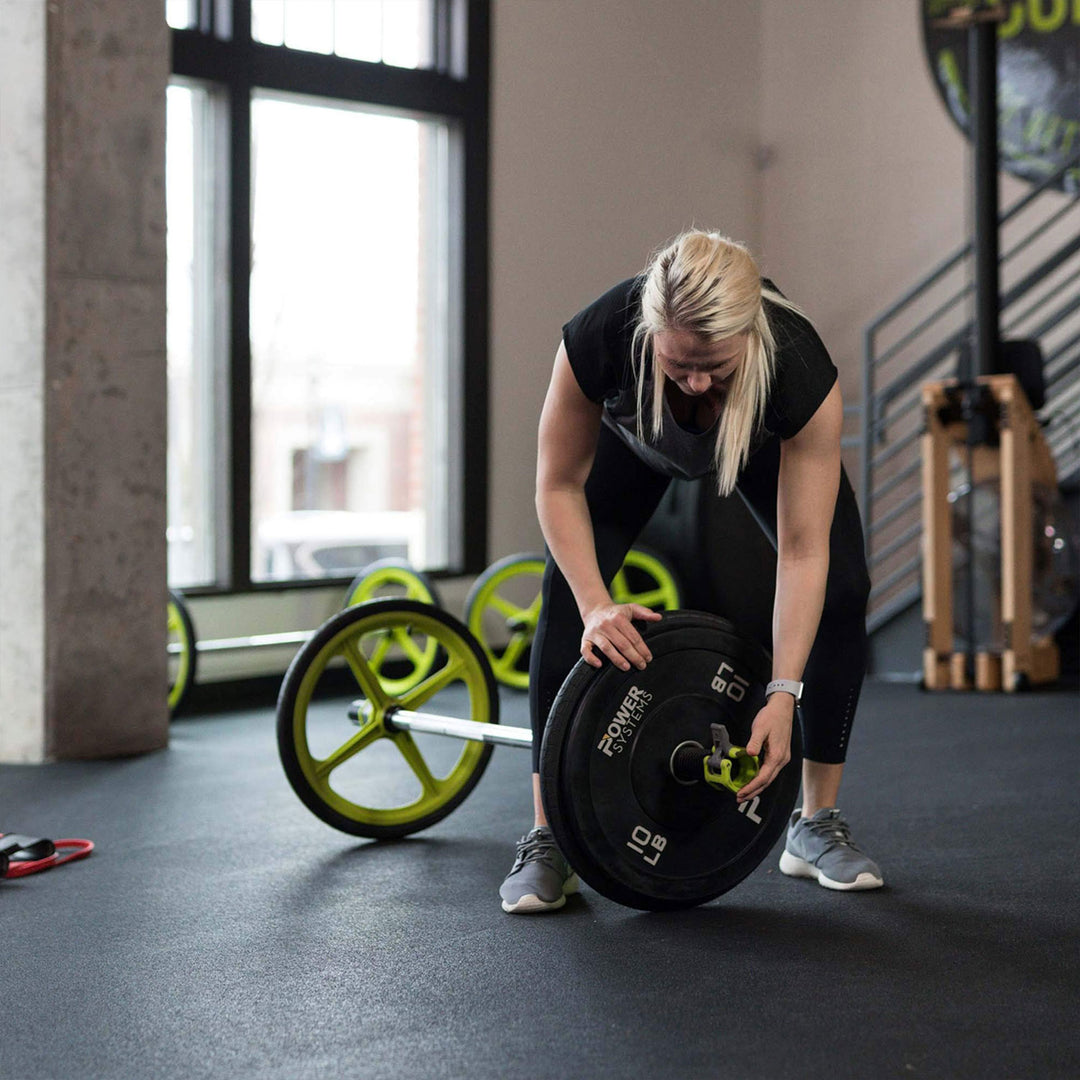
<point x="1053" y="219"/>
<point x="943" y="268"/>
<point x="1043" y="300"/>
<point x="1048" y="266"/>
<point x="895" y="513"/>
<point x="917" y="372"/>
<point x="896" y="577"/>
<point x="1053" y="321"/>
<point x="901" y="444"/>
<point x="1054" y="377"/>
<point x="893" y="546"/>
<point x="881" y="615"/>
<point x="885" y="407"/>
<point x="895" y="481"/>
<point x="925" y="325"/>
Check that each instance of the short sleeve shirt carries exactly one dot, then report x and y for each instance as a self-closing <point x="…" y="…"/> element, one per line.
<point x="598" y="342"/>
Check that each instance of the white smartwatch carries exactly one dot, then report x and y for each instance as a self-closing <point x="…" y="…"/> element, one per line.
<point x="786" y="686"/>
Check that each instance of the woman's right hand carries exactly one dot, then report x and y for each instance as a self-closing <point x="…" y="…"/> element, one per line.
<point x="609" y="627"/>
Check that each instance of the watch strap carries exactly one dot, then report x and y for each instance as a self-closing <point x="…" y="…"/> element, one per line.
<point x="787" y="686"/>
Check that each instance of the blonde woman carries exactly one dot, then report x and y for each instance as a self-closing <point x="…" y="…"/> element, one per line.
<point x="699" y="367"/>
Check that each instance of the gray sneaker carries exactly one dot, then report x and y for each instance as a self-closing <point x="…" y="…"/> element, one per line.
<point x="821" y="847"/>
<point x="540" y="878"/>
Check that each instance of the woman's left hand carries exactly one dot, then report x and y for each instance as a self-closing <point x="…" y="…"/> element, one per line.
<point x="770" y="740"/>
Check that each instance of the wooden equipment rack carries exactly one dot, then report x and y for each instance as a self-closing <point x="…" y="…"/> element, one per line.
<point x="1012" y="450"/>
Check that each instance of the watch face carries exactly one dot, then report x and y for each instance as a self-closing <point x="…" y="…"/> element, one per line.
<point x="1038" y="83"/>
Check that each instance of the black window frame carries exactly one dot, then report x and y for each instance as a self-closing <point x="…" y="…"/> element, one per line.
<point x="219" y="50"/>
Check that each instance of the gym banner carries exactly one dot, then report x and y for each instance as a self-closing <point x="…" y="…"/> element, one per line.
<point x="1038" y="82"/>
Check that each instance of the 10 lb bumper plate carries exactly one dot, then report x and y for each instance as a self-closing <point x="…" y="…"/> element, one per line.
<point x="627" y="826"/>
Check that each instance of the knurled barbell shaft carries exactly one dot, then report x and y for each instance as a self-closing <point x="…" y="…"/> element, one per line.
<point x="456" y="728"/>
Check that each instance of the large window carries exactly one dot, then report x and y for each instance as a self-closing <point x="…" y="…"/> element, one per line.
<point x="327" y="364"/>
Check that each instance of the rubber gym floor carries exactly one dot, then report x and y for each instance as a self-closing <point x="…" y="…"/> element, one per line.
<point x="221" y="930"/>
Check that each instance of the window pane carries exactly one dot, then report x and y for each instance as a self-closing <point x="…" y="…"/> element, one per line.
<point x="310" y="25"/>
<point x="358" y="30"/>
<point x="407" y="33"/>
<point x="193" y="331"/>
<point x="398" y="32"/>
<point x="350" y="339"/>
<point x="268" y="21"/>
<point x="180" y="14"/>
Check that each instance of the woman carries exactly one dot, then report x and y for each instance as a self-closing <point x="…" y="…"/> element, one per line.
<point x="698" y="367"/>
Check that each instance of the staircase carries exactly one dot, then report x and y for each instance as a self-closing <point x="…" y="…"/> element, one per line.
<point x="922" y="337"/>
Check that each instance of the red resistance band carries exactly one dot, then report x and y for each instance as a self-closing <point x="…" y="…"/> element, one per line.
<point x="22" y="855"/>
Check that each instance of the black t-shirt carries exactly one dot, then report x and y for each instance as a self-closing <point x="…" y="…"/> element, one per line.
<point x="598" y="345"/>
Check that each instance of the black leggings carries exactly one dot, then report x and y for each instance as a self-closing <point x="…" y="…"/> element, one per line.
<point x="622" y="492"/>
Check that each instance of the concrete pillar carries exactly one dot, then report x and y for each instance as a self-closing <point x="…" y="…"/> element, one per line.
<point x="82" y="378"/>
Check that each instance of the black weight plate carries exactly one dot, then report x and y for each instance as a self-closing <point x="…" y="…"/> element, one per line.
<point x="626" y="825"/>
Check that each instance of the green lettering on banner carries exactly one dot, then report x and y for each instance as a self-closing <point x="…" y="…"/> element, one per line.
<point x="1034" y="125"/>
<point x="1071" y="130"/>
<point x="1014" y="23"/>
<point x="937" y="9"/>
<point x="1007" y="110"/>
<point x="949" y="72"/>
<point x="1050" y="133"/>
<point x="1047" y="16"/>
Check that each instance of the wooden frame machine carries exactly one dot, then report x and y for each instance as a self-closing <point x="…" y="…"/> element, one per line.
<point x="991" y="421"/>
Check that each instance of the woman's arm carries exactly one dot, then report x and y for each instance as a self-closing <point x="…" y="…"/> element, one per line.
<point x="569" y="427"/>
<point x="806" y="498"/>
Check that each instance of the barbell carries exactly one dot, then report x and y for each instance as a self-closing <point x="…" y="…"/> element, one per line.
<point x="638" y="768"/>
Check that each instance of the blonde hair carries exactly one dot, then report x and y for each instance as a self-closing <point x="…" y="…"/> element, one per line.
<point x="711" y="286"/>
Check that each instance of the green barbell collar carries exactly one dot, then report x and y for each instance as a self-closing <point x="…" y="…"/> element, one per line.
<point x="729" y="766"/>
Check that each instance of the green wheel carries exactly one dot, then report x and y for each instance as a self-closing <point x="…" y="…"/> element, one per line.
<point x="503" y="606"/>
<point x="394" y="578"/>
<point x="502" y="610"/>
<point x="377" y="781"/>
<point x="182" y="652"/>
<point x="646" y="579"/>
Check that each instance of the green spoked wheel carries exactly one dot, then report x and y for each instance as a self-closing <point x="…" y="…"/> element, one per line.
<point x="399" y="663"/>
<point x="502" y="610"/>
<point x="374" y="780"/>
<point x="182" y="653"/>
<point x="644" y="578"/>
<point x="503" y="606"/>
